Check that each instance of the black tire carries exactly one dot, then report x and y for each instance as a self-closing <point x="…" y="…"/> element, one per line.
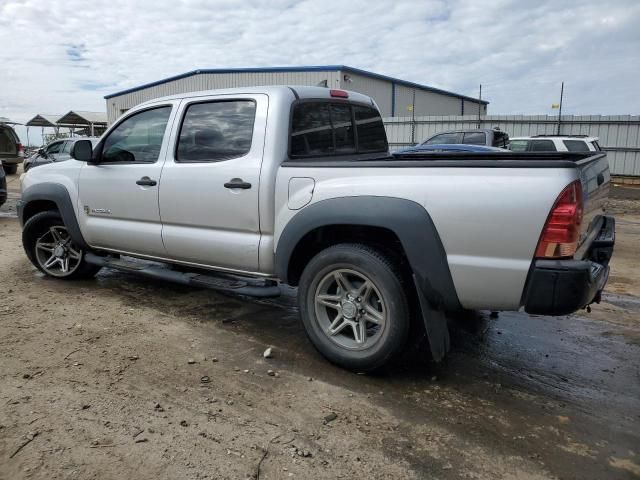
<point x="10" y="169"/>
<point x="35" y="228"/>
<point x="391" y="337"/>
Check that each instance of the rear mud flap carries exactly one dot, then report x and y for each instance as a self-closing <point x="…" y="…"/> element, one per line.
<point x="435" y="323"/>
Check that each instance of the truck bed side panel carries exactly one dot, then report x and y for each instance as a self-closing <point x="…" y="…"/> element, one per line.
<point x="489" y="219"/>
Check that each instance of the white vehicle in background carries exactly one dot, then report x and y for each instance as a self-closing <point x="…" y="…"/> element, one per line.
<point x="555" y="143"/>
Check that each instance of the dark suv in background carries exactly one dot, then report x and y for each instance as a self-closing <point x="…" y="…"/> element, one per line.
<point x="490" y="137"/>
<point x="11" y="150"/>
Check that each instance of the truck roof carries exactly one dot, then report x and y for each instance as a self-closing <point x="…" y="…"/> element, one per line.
<point x="288" y="91"/>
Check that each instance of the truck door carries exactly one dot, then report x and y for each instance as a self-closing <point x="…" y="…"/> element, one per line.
<point x="211" y="181"/>
<point x="118" y="197"/>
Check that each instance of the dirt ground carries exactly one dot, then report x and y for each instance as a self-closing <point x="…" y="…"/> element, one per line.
<point x="123" y="377"/>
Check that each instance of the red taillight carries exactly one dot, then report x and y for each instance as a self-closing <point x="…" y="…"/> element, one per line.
<point x="20" y="148"/>
<point x="561" y="233"/>
<point x="339" y="93"/>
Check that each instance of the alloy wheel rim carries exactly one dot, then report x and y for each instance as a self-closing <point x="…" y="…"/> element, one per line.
<point x="350" y="309"/>
<point x="56" y="253"/>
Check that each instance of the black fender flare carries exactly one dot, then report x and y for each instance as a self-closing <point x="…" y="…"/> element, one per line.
<point x="418" y="235"/>
<point x="58" y="194"/>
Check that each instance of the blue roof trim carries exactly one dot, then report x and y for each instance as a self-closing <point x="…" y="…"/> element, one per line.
<point x="313" y="68"/>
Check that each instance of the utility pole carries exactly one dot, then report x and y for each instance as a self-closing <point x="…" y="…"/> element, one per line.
<point x="413" y="118"/>
<point x="560" y="111"/>
<point x="479" y="106"/>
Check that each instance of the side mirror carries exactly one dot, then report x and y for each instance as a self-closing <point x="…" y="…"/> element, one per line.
<point x="82" y="150"/>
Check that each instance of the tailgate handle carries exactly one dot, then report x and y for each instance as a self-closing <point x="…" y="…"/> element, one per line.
<point x="600" y="179"/>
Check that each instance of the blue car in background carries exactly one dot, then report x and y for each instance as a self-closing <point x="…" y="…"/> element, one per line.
<point x="450" y="147"/>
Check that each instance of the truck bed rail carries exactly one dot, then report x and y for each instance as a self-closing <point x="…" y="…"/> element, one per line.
<point x="455" y="160"/>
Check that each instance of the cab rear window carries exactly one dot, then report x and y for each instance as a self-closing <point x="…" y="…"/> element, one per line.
<point x="328" y="129"/>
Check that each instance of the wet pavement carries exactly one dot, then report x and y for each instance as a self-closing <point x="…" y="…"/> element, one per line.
<point x="553" y="385"/>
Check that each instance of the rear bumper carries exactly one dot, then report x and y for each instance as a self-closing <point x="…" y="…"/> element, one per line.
<point x="12" y="160"/>
<point x="560" y="287"/>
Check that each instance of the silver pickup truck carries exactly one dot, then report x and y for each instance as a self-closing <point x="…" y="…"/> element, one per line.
<point x="246" y="189"/>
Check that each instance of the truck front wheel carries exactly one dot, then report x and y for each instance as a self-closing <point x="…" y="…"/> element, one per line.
<point x="354" y="307"/>
<point x="51" y="249"/>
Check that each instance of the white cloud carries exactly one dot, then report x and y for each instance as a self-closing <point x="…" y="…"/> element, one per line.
<point x="62" y="55"/>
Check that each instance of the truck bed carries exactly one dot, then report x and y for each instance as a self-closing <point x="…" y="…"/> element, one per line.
<point x="489" y="208"/>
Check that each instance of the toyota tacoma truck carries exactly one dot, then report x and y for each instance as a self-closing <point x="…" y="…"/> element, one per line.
<point x="245" y="190"/>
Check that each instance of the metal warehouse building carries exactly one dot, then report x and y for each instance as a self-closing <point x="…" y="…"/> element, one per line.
<point x="393" y="96"/>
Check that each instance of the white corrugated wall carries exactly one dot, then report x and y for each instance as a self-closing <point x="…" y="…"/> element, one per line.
<point x="427" y="103"/>
<point x="619" y="134"/>
<point x="379" y="90"/>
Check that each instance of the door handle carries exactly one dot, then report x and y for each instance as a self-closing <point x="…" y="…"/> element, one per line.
<point x="237" y="183"/>
<point x="147" y="182"/>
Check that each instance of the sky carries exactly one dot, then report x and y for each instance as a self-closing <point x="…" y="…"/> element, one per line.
<point x="66" y="55"/>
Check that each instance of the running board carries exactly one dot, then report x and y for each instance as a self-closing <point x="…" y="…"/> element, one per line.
<point x="222" y="282"/>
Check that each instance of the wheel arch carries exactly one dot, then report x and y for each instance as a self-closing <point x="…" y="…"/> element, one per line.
<point x="51" y="196"/>
<point x="390" y="217"/>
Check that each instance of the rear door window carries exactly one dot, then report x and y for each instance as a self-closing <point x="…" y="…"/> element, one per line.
<point x="475" y="138"/>
<point x="576" y="145"/>
<point x="216" y="131"/>
<point x="542" y="146"/>
<point x="518" y="145"/>
<point x="446" y="138"/>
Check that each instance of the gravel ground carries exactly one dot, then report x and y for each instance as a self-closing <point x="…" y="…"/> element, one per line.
<point x="122" y="377"/>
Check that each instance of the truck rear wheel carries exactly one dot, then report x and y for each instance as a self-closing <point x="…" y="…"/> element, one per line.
<point x="51" y="249"/>
<point x="354" y="307"/>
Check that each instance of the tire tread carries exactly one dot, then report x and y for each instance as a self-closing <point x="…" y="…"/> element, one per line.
<point x="399" y="339"/>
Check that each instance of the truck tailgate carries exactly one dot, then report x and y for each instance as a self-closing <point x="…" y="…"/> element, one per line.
<point x="595" y="180"/>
